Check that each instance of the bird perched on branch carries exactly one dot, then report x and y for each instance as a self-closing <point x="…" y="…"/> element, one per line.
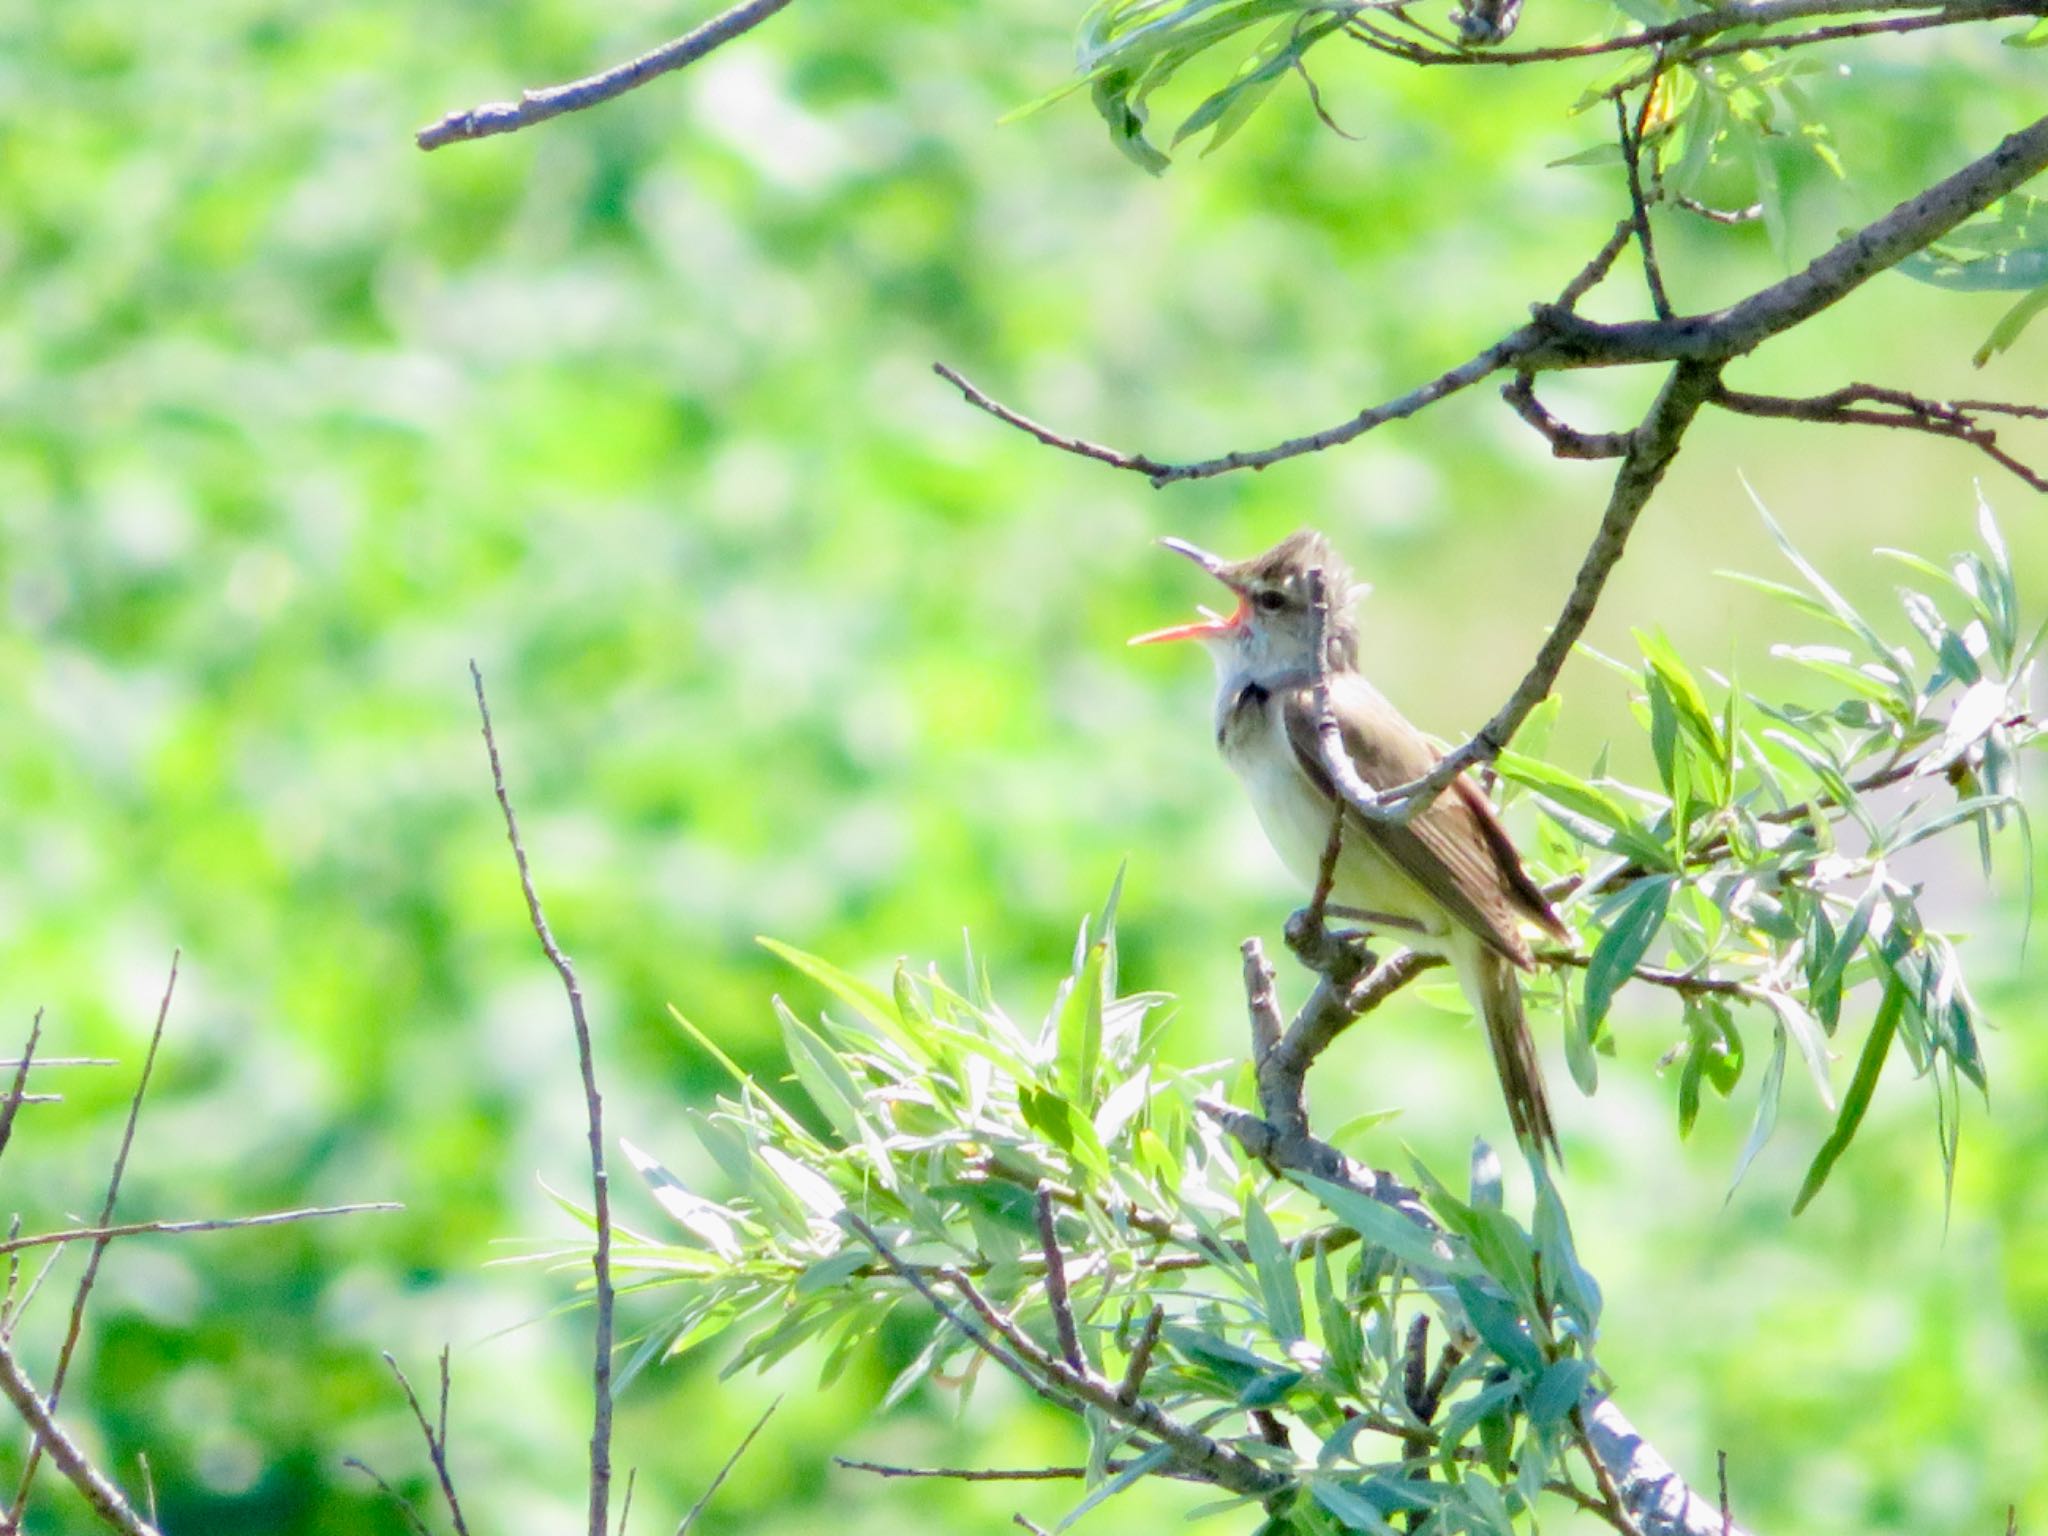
<point x="1448" y="881"/>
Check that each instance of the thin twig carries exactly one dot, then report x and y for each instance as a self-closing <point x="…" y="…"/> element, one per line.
<point x="405" y="1506"/>
<point x="1673" y="981"/>
<point x="1693" y="205"/>
<point x="1055" y="1474"/>
<point x="1566" y="441"/>
<point x="626" y="1500"/>
<point x="1719" y="19"/>
<point x="83" y="1294"/>
<point x="1873" y="405"/>
<point x="15" y="1243"/>
<point x="1080" y="447"/>
<point x="1133" y="1385"/>
<point x="601" y="1208"/>
<point x="538" y="106"/>
<point x="999" y="1337"/>
<point x="21" y="1070"/>
<point x="1594" y="271"/>
<point x="1631" y="156"/>
<point x="704" y="1499"/>
<point x="1617" y="1512"/>
<point x="437" y="1441"/>
<point x="1056" y="1282"/>
<point x="107" y="1501"/>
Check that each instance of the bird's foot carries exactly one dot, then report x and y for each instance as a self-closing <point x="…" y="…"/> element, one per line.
<point x="1327" y="951"/>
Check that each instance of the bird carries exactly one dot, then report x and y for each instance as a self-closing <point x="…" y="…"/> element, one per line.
<point x="1449" y="881"/>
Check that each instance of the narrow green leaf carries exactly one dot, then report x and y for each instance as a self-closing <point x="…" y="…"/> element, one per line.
<point x="1274" y="1266"/>
<point x="1558" y="1390"/>
<point x="1139" y="1468"/>
<point x="1869" y="1067"/>
<point x="1769" y="1092"/>
<point x="1384" y="1227"/>
<point x="870" y="1002"/>
<point x="1807" y="1034"/>
<point x="1623" y="945"/>
<point x="1080" y="1028"/>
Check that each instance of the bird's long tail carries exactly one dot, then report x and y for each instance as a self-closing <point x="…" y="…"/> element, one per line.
<point x="1496" y="993"/>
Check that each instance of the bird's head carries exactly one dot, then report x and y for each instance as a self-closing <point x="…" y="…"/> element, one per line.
<point x="1273" y="629"/>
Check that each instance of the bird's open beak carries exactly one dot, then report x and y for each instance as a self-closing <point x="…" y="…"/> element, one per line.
<point x="1211" y="623"/>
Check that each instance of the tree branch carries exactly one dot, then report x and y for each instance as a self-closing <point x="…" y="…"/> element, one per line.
<point x="537" y="106"/>
<point x="593" y="1104"/>
<point x="1046" y="1374"/>
<point x="1849" y="406"/>
<point x="1566" y="441"/>
<point x="1718" y="20"/>
<point x="1638" y="1483"/>
<point x="107" y="1501"/>
<point x="1559" y="338"/>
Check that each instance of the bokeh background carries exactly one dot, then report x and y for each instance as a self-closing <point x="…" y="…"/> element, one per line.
<point x="784" y="639"/>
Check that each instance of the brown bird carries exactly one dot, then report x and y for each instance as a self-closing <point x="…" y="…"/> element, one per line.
<point x="1449" y="882"/>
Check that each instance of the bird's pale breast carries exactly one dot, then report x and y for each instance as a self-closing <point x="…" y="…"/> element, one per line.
<point x="1295" y="816"/>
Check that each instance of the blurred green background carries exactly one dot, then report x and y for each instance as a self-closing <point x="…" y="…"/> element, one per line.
<point x="783" y="638"/>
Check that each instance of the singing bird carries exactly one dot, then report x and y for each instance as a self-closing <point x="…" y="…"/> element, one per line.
<point x="1449" y="882"/>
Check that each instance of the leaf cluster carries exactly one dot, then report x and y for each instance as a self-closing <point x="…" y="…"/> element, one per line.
<point x="1760" y="877"/>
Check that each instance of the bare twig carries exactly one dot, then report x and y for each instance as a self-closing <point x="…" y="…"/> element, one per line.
<point x="1659" y="1501"/>
<point x="1261" y="1000"/>
<point x="1080" y="447"/>
<point x="21" y="1070"/>
<point x="1693" y="205"/>
<point x="1566" y="441"/>
<point x="725" y="1470"/>
<point x="1654" y="444"/>
<point x="1056" y="1282"/>
<point x="1052" y="1378"/>
<point x="1672" y="981"/>
<point x="437" y="1440"/>
<point x="405" y="1507"/>
<point x="107" y="1501"/>
<point x="538" y="106"/>
<point x="1631" y="135"/>
<point x="1559" y="338"/>
<point x="1133" y="1384"/>
<point x="1618" y="1514"/>
<point x="600" y="1187"/>
<point x="1602" y="263"/>
<point x="1873" y="405"/>
<point x="14" y="1243"/>
<point x="1738" y="16"/>
<point x="83" y="1294"/>
<point x="1491" y="360"/>
<point x="1055" y="1474"/>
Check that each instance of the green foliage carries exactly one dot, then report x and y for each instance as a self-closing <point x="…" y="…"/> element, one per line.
<point x="2005" y="250"/>
<point x="1765" y="865"/>
<point x="947" y="1117"/>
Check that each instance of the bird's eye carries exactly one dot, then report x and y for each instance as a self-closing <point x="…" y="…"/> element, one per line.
<point x="1270" y="600"/>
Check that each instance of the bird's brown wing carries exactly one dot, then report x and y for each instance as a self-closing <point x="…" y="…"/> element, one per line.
<point x="1455" y="850"/>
